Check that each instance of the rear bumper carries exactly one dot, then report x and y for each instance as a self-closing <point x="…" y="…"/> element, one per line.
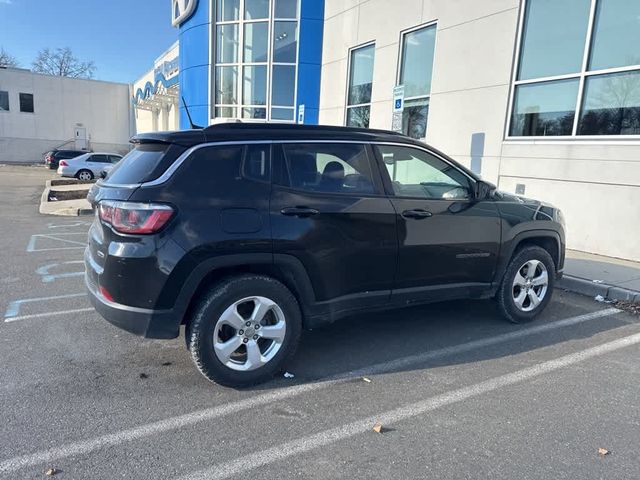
<point x="148" y="323"/>
<point x="66" y="171"/>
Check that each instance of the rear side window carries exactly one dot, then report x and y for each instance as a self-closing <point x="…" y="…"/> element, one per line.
<point x="329" y="168"/>
<point x="137" y="165"/>
<point x="99" y="158"/>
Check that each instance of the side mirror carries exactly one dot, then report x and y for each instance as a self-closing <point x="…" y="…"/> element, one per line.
<point x="484" y="190"/>
<point x="103" y="174"/>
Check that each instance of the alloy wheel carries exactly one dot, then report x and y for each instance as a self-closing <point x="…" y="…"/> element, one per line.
<point x="530" y="285"/>
<point x="84" y="176"/>
<point x="249" y="333"/>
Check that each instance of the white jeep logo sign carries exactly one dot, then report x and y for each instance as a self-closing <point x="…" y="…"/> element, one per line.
<point x="181" y="10"/>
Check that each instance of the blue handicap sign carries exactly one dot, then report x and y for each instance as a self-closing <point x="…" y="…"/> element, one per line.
<point x="398" y="103"/>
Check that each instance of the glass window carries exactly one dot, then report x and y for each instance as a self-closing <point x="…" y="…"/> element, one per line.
<point x="417" y="61"/>
<point x="99" y="158"/>
<point x="286" y="9"/>
<point x="553" y="38"/>
<point x="137" y="165"/>
<point x="285" y="42"/>
<point x="227" y="10"/>
<point x="227" y="43"/>
<point x="255" y="9"/>
<point x="250" y="72"/>
<point x="544" y="109"/>
<point x="225" y="112"/>
<point x="114" y="158"/>
<point x="256" y="42"/>
<point x="611" y="105"/>
<point x="256" y="163"/>
<point x="358" y="116"/>
<point x="414" y="118"/>
<point x="4" y="100"/>
<point x="254" y="88"/>
<point x="282" y="114"/>
<point x="361" y="75"/>
<point x="26" y="102"/>
<point x="616" y="34"/>
<point x="254" y="113"/>
<point x="226" y="85"/>
<point x="283" y="83"/>
<point x="330" y="168"/>
<point x="415" y="173"/>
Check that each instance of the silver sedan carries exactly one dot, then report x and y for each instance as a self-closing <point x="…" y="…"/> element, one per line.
<point x="88" y="166"/>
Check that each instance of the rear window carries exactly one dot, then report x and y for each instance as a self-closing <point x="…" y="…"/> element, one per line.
<point x="138" y="165"/>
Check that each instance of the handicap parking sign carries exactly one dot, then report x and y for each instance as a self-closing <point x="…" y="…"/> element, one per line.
<point x="398" y="105"/>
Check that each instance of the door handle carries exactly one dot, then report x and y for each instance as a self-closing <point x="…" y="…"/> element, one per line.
<point x="416" y="214"/>
<point x="299" y="211"/>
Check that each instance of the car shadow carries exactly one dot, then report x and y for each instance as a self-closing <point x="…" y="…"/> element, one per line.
<point x="361" y="341"/>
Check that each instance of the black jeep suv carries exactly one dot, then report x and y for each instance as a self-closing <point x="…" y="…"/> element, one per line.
<point x="248" y="233"/>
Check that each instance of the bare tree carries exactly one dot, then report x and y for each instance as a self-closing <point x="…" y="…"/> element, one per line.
<point x="8" y="60"/>
<point x="62" y="62"/>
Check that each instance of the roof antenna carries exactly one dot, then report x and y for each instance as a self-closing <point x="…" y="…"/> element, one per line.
<point x="193" y="125"/>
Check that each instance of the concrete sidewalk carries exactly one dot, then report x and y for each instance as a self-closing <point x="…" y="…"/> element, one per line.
<point x="594" y="275"/>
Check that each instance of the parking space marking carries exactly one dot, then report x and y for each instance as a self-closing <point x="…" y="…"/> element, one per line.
<point x="311" y="442"/>
<point x="48" y="277"/>
<point x="69" y="225"/>
<point x="174" y="423"/>
<point x="58" y="238"/>
<point x="14" y="307"/>
<point x="48" y="314"/>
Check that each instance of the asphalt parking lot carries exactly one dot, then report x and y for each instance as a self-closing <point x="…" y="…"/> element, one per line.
<point x="459" y="392"/>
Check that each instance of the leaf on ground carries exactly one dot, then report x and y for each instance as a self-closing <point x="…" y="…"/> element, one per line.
<point x="144" y="375"/>
<point x="377" y="428"/>
<point x="603" y="451"/>
<point x="368" y="380"/>
<point x="50" y="472"/>
<point x="166" y="364"/>
<point x="288" y="375"/>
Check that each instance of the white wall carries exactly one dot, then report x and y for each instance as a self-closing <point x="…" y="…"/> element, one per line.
<point x="596" y="183"/>
<point x="60" y="103"/>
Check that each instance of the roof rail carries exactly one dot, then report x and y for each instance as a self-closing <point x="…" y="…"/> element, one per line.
<point x="240" y="125"/>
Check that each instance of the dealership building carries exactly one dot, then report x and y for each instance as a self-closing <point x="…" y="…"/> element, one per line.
<point x="541" y="97"/>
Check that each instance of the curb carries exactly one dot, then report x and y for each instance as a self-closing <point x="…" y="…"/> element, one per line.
<point x="591" y="289"/>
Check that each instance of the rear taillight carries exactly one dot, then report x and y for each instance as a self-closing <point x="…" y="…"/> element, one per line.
<point x="48" y="158"/>
<point x="62" y="163"/>
<point x="134" y="218"/>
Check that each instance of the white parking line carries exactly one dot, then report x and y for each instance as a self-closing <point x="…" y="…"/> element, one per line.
<point x="174" y="423"/>
<point x="311" y="442"/>
<point x="14" y="307"/>
<point x="48" y="314"/>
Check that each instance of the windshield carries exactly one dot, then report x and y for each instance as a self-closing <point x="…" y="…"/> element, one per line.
<point x="137" y="165"/>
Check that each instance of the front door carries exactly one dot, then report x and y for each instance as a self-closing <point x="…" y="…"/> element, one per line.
<point x="448" y="241"/>
<point x="329" y="211"/>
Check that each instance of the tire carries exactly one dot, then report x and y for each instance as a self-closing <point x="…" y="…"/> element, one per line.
<point x="518" y="303"/>
<point x="87" y="174"/>
<point x="242" y="295"/>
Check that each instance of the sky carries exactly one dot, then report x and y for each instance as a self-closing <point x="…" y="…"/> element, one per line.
<point x="122" y="37"/>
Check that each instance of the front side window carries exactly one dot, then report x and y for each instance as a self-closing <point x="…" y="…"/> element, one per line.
<point x="561" y="54"/>
<point x="360" y="85"/>
<point x="4" y="101"/>
<point x="416" y="69"/>
<point x="255" y="59"/>
<point x="417" y="174"/>
<point x="26" y="102"/>
<point x="329" y="168"/>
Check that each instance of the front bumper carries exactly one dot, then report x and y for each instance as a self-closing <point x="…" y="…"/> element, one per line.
<point x="148" y="323"/>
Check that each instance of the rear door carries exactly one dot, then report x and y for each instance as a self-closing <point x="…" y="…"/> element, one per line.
<point x="329" y="211"/>
<point x="448" y="241"/>
<point x="97" y="162"/>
